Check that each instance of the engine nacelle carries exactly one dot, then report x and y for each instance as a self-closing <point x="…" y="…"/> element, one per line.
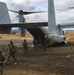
<point x="22" y="31"/>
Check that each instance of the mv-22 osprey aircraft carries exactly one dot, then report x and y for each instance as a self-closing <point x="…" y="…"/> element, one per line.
<point x="41" y="31"/>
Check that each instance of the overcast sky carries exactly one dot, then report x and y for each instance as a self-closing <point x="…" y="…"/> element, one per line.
<point x="63" y="14"/>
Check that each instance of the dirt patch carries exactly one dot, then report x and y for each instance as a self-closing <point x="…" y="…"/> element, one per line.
<point x="54" y="61"/>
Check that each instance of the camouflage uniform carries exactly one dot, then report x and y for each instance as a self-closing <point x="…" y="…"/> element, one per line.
<point x="25" y="46"/>
<point x="2" y="58"/>
<point x="35" y="43"/>
<point x="12" y="51"/>
<point x="45" y="45"/>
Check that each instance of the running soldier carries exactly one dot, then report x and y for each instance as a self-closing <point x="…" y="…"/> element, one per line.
<point x="12" y="51"/>
<point x="2" y="58"/>
<point x="25" y="46"/>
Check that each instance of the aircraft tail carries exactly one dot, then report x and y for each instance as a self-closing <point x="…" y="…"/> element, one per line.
<point x="4" y="15"/>
<point x="51" y="17"/>
<point x="4" y="18"/>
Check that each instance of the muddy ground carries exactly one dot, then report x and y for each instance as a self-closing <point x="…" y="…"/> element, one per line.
<point x="53" y="61"/>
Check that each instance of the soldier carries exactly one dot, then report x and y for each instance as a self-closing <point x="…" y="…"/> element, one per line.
<point x="2" y="58"/>
<point x="45" y="45"/>
<point x="12" y="51"/>
<point x="25" y="46"/>
<point x="35" y="43"/>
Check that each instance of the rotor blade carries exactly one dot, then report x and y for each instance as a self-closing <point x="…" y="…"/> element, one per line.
<point x="32" y="12"/>
<point x="70" y="7"/>
<point x="13" y="11"/>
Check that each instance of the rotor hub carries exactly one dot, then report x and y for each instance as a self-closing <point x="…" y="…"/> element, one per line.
<point x="21" y="12"/>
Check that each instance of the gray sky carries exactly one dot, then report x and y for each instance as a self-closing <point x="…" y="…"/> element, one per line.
<point x="63" y="14"/>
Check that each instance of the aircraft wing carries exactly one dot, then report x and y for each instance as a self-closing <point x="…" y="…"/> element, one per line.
<point x="25" y="25"/>
<point x="66" y="25"/>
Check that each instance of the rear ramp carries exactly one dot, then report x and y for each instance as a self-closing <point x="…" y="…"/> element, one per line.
<point x="37" y="34"/>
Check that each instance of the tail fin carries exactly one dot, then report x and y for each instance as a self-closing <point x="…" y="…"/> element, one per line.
<point x="51" y="17"/>
<point x="4" y="18"/>
<point x="4" y="15"/>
